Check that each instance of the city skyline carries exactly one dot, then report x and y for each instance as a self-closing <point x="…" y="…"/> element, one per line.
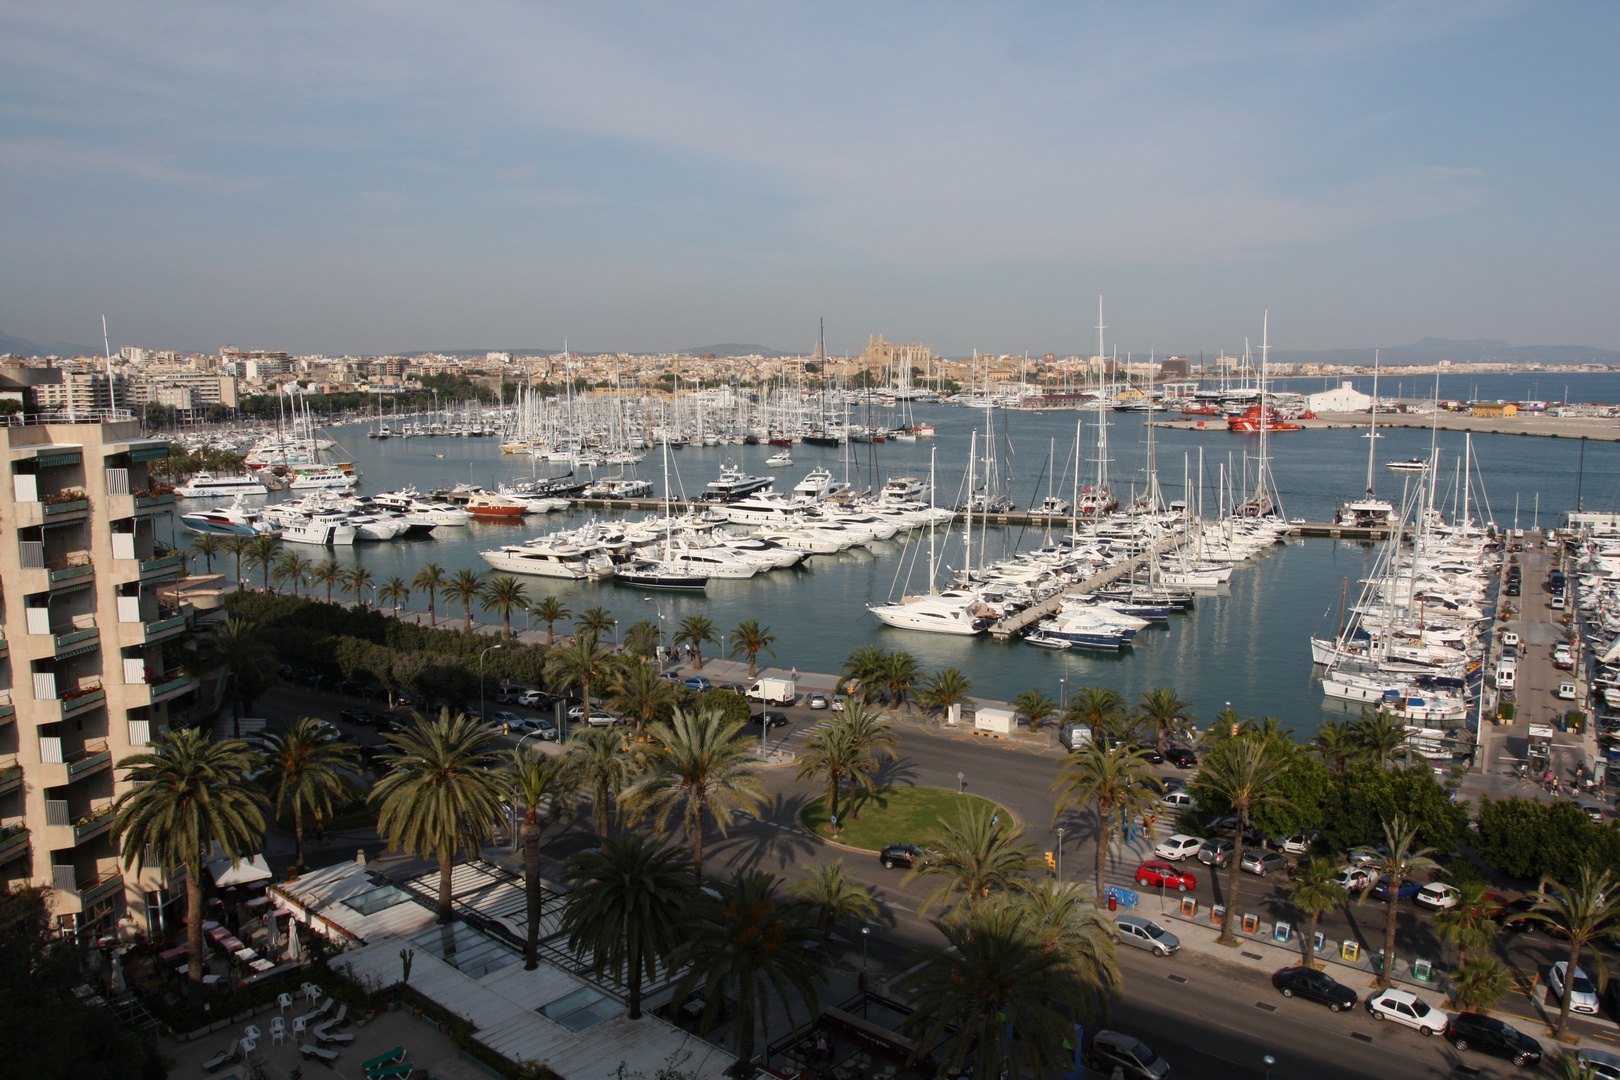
<point x="360" y="180"/>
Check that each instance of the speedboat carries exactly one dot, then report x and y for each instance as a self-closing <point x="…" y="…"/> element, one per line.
<point x="778" y="460"/>
<point x="232" y="520"/>
<point x="818" y="484"/>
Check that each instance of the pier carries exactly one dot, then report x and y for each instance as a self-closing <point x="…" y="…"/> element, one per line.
<point x="1018" y="621"/>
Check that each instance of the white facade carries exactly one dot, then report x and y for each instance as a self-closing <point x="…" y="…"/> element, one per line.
<point x="1343" y="398"/>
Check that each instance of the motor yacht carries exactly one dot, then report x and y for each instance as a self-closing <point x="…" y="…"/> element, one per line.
<point x="207" y="486"/>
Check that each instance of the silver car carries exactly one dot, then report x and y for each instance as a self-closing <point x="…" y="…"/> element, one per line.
<point x="1146" y="934"/>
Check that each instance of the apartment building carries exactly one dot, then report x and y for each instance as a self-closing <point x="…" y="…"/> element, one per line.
<point x="84" y="680"/>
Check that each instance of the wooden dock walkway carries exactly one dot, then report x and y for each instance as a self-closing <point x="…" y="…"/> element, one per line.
<point x="1018" y="621"/>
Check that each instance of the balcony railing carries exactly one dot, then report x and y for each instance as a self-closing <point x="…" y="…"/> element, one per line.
<point x="93" y="823"/>
<point x="169" y="682"/>
<point x="82" y="697"/>
<point x="13" y="841"/>
<point x="92" y="757"/>
<point x="11" y="773"/>
<point x="72" y="635"/>
<point x="66" y="506"/>
<point x="6" y="707"/>
<point x="156" y="495"/>
<point x="160" y="563"/>
<point x="164" y="626"/>
<point x="65" y="879"/>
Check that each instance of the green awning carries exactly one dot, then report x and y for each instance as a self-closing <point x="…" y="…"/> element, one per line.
<point x="70" y="457"/>
<point x="92" y="647"/>
<point x="149" y="453"/>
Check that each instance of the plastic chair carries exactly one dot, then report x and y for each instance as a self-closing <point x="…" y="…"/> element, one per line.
<point x="284" y="1000"/>
<point x="278" y="1030"/>
<point x="311" y="991"/>
<point x="252" y="1031"/>
<point x="299" y="1025"/>
<point x="248" y="1046"/>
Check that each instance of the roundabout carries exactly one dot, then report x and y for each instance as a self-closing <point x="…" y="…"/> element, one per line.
<point x="891" y="815"/>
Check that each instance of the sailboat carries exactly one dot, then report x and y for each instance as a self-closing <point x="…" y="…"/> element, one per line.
<point x="668" y="572"/>
<point x="1369" y="511"/>
<point x="952" y="612"/>
<point x="1099" y="499"/>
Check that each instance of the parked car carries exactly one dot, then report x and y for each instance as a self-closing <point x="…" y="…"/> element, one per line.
<point x="770" y="717"/>
<point x="698" y="683"/>
<point x="817" y="700"/>
<point x="1177" y="800"/>
<point x="1227" y="826"/>
<point x="511" y="721"/>
<point x="1437" y="895"/>
<point x="1604" y="1065"/>
<point x="838" y="702"/>
<point x="1150" y="752"/>
<point x="539" y="727"/>
<point x="1488" y="1035"/>
<point x="1514" y="912"/>
<point x="533" y="698"/>
<point x="1583" y="995"/>
<point x="603" y="719"/>
<point x="1404" y="891"/>
<point x="1181" y="757"/>
<point x="362" y="717"/>
<point x="1140" y="933"/>
<point x="1137" y="1060"/>
<point x="511" y="695"/>
<point x="1354" y="878"/>
<point x="1298" y="844"/>
<point x="1593" y="811"/>
<point x="1315" y="986"/>
<point x="1566" y="691"/>
<point x="1262" y="862"/>
<point x="1406" y="1008"/>
<point x="902" y="856"/>
<point x="1177" y="847"/>
<point x="1172" y="783"/>
<point x="1216" y="852"/>
<point x="733" y="688"/>
<point x="1164" y="876"/>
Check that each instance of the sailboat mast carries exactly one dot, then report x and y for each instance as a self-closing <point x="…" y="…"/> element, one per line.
<point x="1372" y="428"/>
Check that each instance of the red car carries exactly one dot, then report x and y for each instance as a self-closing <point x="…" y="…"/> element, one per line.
<point x="1165" y="876"/>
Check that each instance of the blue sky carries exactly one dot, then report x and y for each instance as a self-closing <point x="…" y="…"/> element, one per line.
<point x="369" y="177"/>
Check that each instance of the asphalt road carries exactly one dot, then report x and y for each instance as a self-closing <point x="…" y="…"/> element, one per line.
<point x="1216" y="1023"/>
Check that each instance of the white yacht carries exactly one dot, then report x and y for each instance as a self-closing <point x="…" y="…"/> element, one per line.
<point x="734" y="484"/>
<point x="551" y="556"/>
<point x="323" y="480"/>
<point x="764" y="509"/>
<point x="936" y="614"/>
<point x="324" y="529"/>
<point x="902" y="489"/>
<point x="207" y="486"/>
<point x="817" y="485"/>
<point x="232" y="520"/>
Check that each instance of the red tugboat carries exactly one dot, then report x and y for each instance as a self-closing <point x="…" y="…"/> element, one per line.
<point x="1249" y="420"/>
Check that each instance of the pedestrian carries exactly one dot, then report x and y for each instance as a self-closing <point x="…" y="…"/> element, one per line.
<point x="823" y="1051"/>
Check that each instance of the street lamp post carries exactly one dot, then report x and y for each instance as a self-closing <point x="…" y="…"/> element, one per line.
<point x="482" y="717"/>
<point x="1270" y="1061"/>
<point x="1063" y="694"/>
<point x="866" y="931"/>
<point x="1060" y="854"/>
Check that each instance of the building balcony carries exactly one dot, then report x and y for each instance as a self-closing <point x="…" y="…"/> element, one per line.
<point x="13" y="842"/>
<point x="154" y="500"/>
<point x="77" y="700"/>
<point x="11" y="774"/>
<point x="94" y="757"/>
<point x="61" y="509"/>
<point x="87" y="890"/>
<point x="61" y="765"/>
<point x="162" y="566"/>
<point x="5" y="648"/>
<point x="8" y="711"/>
<point x="93" y="824"/>
<point x="170" y="685"/>
<point x="163" y="629"/>
<point x="74" y="640"/>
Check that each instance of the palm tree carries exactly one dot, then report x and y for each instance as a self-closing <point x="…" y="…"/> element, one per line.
<point x="190" y="794"/>
<point x="642" y="639"/>
<point x="549" y="610"/>
<point x="1035" y="705"/>
<point x="639" y="690"/>
<point x="247" y="660"/>
<point x="1065" y="918"/>
<point x="627" y="908"/>
<point x="394" y="592"/>
<point x="442" y="793"/>
<point x="536" y="778"/>
<point x="598" y="759"/>
<point x="746" y="948"/>
<point x="504" y="594"/>
<point x="944" y="689"/>
<point x="1400" y="857"/>
<point x="750" y="639"/>
<point x="1099" y="708"/>
<point x="291" y="569"/>
<point x="1585" y="912"/>
<point x="1166" y="715"/>
<point x="306" y="770"/>
<point x="1240" y="775"/>
<point x="261" y="552"/>
<point x="356" y="580"/>
<point x="868" y="733"/>
<point x="596" y="620"/>
<point x="829" y="890"/>
<point x="1480" y="983"/>
<point x="830" y="754"/>
<point x="991" y="992"/>
<point x="463" y="589"/>
<point x="1336" y="744"/>
<point x="862" y="667"/>
<point x="580" y="663"/>
<point x="899" y="675"/>
<point x="695" y="631"/>
<point x="977" y="856"/>
<point x="1267" y="729"/>
<point x="1378" y="736"/>
<point x="237" y="546"/>
<point x="1471" y="923"/>
<point x="1114" y="781"/>
<point x="207" y="545"/>
<point x="430" y="579"/>
<point x="701" y="767"/>
<point x="1316" y="891"/>
<point x="326" y="572"/>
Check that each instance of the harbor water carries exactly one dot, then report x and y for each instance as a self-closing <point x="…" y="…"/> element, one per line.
<point x="1245" y="646"/>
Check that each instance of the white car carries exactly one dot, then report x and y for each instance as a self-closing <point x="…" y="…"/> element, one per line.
<point x="1353" y="878"/>
<point x="1408" y="1009"/>
<point x="1298" y="844"/>
<point x="1178" y="847"/>
<point x="817" y="700"/>
<point x="1583" y="997"/>
<point x="1438" y="896"/>
<point x="1566" y="691"/>
<point x="1177" y="800"/>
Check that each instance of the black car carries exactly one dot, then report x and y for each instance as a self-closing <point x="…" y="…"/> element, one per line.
<point x="1488" y="1035"/>
<point x="1315" y="986"/>
<point x="1181" y="757"/>
<point x="1149" y="751"/>
<point x="390" y="725"/>
<point x="770" y="718"/>
<point x="903" y="856"/>
<point x="1513" y="915"/>
<point x="358" y="716"/>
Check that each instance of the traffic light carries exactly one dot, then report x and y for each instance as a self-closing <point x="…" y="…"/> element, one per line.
<point x="1051" y="863"/>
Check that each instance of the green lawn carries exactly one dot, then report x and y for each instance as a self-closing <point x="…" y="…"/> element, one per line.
<point x="890" y="815"/>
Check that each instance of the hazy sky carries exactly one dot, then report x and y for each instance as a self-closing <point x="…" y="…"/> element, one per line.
<point x="368" y="177"/>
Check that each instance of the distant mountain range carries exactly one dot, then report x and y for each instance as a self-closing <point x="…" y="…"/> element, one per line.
<point x="24" y="347"/>
<point x="1433" y="350"/>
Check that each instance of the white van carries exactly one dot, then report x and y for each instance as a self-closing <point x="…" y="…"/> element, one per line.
<point x="1510" y="638"/>
<point x="1507" y="673"/>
